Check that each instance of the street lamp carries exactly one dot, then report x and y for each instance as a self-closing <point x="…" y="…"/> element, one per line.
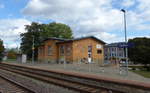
<point x="126" y="48"/>
<point x="33" y="49"/>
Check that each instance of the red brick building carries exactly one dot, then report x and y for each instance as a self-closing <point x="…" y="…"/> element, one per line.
<point x="85" y="49"/>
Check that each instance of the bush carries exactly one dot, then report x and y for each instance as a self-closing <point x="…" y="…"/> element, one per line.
<point x="12" y="54"/>
<point x="139" y="53"/>
<point x="147" y="68"/>
<point x="1" y="59"/>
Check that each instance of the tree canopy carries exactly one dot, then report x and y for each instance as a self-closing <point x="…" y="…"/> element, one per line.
<point x="56" y="30"/>
<point x="140" y="53"/>
<point x="1" y="50"/>
<point x="40" y="32"/>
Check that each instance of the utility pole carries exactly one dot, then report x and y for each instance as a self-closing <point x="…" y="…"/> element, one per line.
<point x="33" y="49"/>
<point x="126" y="48"/>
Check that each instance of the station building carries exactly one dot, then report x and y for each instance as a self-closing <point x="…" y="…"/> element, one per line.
<point x="113" y="53"/>
<point x="85" y="49"/>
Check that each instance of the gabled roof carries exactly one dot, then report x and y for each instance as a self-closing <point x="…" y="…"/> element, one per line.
<point x="54" y="38"/>
<point x="75" y="39"/>
<point x="62" y="40"/>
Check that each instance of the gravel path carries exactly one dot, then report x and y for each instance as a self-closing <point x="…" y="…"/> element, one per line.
<point x="9" y="87"/>
<point x="37" y="86"/>
<point x="112" y="72"/>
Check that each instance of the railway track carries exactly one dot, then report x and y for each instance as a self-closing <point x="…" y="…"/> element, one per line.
<point x="8" y="86"/>
<point x="77" y="86"/>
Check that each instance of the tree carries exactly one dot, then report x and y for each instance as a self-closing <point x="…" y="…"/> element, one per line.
<point x="27" y="39"/>
<point x="40" y="32"/>
<point x="1" y="50"/>
<point x="58" y="30"/>
<point x="12" y="54"/>
<point x="140" y="53"/>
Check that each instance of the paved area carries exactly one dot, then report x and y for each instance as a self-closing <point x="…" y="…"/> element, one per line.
<point x="109" y="71"/>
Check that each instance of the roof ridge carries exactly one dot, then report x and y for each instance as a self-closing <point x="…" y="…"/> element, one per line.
<point x="83" y="38"/>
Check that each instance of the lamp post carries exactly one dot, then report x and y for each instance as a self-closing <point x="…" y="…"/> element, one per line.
<point x="33" y="49"/>
<point x="126" y="48"/>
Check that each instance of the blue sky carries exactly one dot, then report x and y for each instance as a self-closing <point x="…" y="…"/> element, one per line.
<point x="101" y="18"/>
<point x="11" y="8"/>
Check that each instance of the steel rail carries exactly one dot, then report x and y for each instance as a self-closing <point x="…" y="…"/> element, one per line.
<point x="19" y="85"/>
<point x="77" y="86"/>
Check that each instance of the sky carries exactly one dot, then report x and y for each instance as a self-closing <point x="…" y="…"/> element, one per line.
<point x="100" y="18"/>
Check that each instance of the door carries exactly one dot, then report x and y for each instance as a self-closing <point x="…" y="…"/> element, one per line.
<point x="89" y="54"/>
<point x="62" y="54"/>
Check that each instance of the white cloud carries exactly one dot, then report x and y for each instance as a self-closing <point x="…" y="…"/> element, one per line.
<point x="128" y="3"/>
<point x="10" y="30"/>
<point x="109" y="38"/>
<point x="144" y="9"/>
<point x="83" y="16"/>
<point x="143" y="4"/>
<point x="11" y="45"/>
<point x="91" y="17"/>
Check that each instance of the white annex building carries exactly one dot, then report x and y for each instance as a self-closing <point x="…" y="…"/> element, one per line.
<point x="113" y="53"/>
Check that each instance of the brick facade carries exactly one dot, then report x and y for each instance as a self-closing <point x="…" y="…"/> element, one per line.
<point x="72" y="50"/>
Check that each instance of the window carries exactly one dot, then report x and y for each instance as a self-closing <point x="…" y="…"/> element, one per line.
<point x="49" y="50"/>
<point x="113" y="49"/>
<point x="99" y="51"/>
<point x="62" y="50"/>
<point x="40" y="51"/>
<point x="89" y="49"/>
<point x="89" y="55"/>
<point x="68" y="50"/>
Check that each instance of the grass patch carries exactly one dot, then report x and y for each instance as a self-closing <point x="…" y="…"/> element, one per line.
<point x="11" y="60"/>
<point x="146" y="74"/>
<point x="134" y="67"/>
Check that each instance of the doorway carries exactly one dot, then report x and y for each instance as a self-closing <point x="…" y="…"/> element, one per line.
<point x="89" y="54"/>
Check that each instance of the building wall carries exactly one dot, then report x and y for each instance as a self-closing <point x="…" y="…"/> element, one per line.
<point x="54" y="55"/>
<point x="80" y="50"/>
<point x="41" y="53"/>
<point x="67" y="56"/>
<point x="114" y="52"/>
